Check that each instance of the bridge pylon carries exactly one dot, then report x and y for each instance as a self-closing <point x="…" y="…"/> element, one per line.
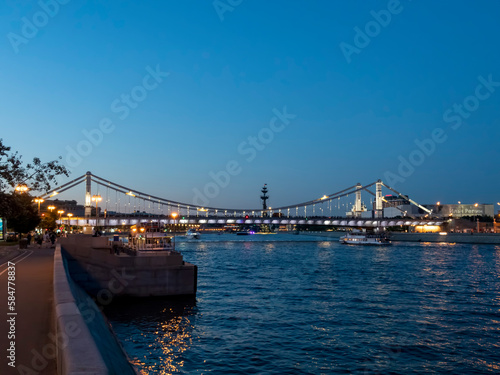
<point x="357" y="204"/>
<point x="379" y="208"/>
<point x="88" y="196"/>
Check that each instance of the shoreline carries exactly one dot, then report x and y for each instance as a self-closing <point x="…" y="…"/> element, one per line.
<point x="476" y="238"/>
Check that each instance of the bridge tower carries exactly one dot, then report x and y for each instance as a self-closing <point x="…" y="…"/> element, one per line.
<point x="357" y="204"/>
<point x="264" y="198"/>
<point x="88" y="196"/>
<point x="379" y="208"/>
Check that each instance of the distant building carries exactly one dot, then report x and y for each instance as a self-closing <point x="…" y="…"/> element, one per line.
<point x="68" y="206"/>
<point x="393" y="209"/>
<point x="394" y="201"/>
<point x="461" y="210"/>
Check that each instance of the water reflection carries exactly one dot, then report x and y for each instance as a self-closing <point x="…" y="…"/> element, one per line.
<point x="269" y="246"/>
<point x="166" y="325"/>
<point x="321" y="307"/>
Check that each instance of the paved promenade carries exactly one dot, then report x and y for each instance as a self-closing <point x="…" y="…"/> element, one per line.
<point x="34" y="331"/>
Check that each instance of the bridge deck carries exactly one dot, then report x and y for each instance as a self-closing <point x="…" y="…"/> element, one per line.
<point x="358" y="222"/>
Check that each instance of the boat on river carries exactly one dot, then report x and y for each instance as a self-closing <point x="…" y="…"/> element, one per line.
<point x="192" y="234"/>
<point x="149" y="243"/>
<point x="245" y="232"/>
<point x="363" y="238"/>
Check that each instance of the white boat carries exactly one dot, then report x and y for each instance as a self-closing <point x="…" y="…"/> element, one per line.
<point x="363" y="238"/>
<point x="192" y="234"/>
<point x="150" y="244"/>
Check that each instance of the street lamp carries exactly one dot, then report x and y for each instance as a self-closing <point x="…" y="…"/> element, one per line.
<point x="38" y="200"/>
<point x="60" y="212"/>
<point x="51" y="208"/>
<point x="70" y="215"/>
<point x="22" y="188"/>
<point x="96" y="199"/>
<point x="174" y="215"/>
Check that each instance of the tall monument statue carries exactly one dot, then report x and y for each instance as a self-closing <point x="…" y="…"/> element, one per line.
<point x="264" y="198"/>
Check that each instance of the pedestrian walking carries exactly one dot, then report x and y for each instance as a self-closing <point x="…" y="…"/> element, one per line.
<point x="46" y="238"/>
<point x="39" y="240"/>
<point x="52" y="238"/>
<point x="28" y="237"/>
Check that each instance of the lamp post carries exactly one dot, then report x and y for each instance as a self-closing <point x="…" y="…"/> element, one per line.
<point x="60" y="212"/>
<point x="174" y="215"/>
<point x="70" y="215"/>
<point x="51" y="208"/>
<point x="96" y="199"/>
<point x="38" y="200"/>
<point x="22" y="188"/>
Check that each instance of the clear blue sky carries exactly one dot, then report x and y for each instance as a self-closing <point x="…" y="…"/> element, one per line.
<point x="231" y="69"/>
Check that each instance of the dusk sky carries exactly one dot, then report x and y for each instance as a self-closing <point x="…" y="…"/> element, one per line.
<point x="308" y="97"/>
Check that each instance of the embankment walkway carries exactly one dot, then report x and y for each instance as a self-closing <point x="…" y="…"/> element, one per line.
<point x="34" y="328"/>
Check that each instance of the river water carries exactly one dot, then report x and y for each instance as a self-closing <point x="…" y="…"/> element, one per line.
<point x="288" y="304"/>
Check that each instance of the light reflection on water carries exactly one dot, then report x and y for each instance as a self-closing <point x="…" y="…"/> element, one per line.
<point x="155" y="326"/>
<point x="296" y="307"/>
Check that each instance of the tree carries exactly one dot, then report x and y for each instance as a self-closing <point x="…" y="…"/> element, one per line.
<point x="49" y="221"/>
<point x="18" y="208"/>
<point x="38" y="175"/>
<point x="22" y="215"/>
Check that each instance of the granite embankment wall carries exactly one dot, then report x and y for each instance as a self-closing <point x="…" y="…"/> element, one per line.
<point x="476" y="238"/>
<point x="105" y="275"/>
<point x="85" y="344"/>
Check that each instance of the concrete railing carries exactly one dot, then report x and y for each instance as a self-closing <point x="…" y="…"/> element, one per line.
<point x="77" y="352"/>
<point x="476" y="238"/>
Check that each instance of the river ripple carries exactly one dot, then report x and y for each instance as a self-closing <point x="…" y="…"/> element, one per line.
<point x="292" y="304"/>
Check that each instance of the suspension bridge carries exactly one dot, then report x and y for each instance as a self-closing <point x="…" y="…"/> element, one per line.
<point x="356" y="206"/>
